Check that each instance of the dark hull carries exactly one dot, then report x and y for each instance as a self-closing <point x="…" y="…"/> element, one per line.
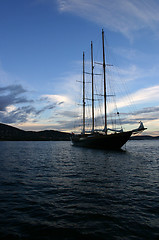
<point x="100" y="141"/>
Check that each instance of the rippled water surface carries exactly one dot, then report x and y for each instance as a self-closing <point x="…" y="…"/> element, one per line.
<point x="52" y="190"/>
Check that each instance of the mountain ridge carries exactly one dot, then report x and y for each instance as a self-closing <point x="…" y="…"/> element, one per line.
<point x="10" y="133"/>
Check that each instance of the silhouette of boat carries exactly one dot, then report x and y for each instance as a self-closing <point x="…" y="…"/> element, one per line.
<point x="101" y="139"/>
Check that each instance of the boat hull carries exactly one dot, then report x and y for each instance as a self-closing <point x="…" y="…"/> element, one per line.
<point x="100" y="141"/>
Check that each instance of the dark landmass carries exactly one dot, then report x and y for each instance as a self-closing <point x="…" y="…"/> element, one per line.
<point x="9" y="133"/>
<point x="144" y="137"/>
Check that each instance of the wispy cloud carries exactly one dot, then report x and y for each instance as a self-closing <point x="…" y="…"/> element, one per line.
<point x="58" y="99"/>
<point x="144" y="95"/>
<point x="12" y="94"/>
<point x="15" y="107"/>
<point x="123" y="16"/>
<point x="149" y="110"/>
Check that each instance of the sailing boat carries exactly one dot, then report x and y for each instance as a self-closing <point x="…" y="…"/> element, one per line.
<point x="97" y="139"/>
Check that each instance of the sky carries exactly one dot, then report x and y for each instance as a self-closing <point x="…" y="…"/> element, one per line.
<point x="41" y="47"/>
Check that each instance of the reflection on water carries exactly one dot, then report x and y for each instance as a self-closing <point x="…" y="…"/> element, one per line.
<point x="51" y="190"/>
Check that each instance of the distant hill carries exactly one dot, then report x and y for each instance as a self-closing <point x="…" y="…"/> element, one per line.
<point x="144" y="137"/>
<point x="9" y="133"/>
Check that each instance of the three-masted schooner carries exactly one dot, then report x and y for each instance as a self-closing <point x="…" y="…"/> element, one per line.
<point x="96" y="139"/>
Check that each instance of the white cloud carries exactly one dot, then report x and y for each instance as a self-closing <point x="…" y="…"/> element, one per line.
<point x="125" y="16"/>
<point x="145" y="95"/>
<point x="10" y="108"/>
<point x="131" y="73"/>
<point x="57" y="98"/>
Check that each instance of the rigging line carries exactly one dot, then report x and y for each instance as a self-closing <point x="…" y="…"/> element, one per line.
<point x="82" y="81"/>
<point x="99" y="106"/>
<point x="112" y="101"/>
<point x="131" y="106"/>
<point x="93" y="73"/>
<point x="97" y="119"/>
<point x="129" y="97"/>
<point x="124" y="88"/>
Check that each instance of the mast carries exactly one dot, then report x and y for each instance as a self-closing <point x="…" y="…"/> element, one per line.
<point x="92" y="88"/>
<point x="105" y="96"/>
<point x="83" y="96"/>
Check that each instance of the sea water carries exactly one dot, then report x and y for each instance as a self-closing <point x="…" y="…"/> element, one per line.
<point x="52" y="190"/>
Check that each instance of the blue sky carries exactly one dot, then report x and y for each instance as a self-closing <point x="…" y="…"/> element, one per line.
<point x="41" y="46"/>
